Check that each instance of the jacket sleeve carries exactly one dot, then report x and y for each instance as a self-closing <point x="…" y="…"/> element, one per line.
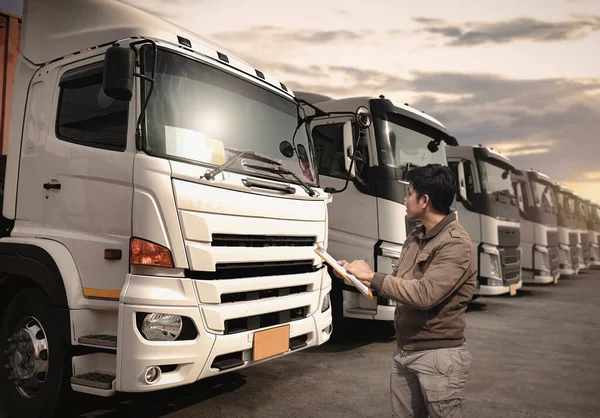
<point x="451" y="262"/>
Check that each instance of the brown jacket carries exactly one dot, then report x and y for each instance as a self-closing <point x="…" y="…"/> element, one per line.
<point x="433" y="282"/>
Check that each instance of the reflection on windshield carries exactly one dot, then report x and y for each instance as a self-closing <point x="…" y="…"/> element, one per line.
<point x="544" y="195"/>
<point x="398" y="145"/>
<point x="197" y="112"/>
<point x="566" y="205"/>
<point x="492" y="180"/>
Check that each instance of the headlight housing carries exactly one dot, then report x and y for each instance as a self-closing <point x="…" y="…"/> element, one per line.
<point x="326" y="302"/>
<point x="490" y="265"/>
<point x="161" y="327"/>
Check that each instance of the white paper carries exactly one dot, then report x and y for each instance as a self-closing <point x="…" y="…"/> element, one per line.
<point x="333" y="262"/>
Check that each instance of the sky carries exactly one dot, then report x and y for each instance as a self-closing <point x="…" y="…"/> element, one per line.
<point x="521" y="76"/>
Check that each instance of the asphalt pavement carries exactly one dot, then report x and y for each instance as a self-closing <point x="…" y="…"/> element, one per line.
<point x="536" y="354"/>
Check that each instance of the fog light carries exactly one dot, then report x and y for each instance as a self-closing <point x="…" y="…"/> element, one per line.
<point x="326" y="303"/>
<point x="152" y="375"/>
<point x="162" y="327"/>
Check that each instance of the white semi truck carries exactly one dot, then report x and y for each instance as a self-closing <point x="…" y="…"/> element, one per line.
<point x="160" y="210"/>
<point x="487" y="208"/>
<point x="570" y="250"/>
<point x="364" y="168"/>
<point x="593" y="231"/>
<point x="539" y="227"/>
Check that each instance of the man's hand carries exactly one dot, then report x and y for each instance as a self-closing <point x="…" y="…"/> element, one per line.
<point x="360" y="269"/>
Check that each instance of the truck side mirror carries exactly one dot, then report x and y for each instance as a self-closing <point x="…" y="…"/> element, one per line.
<point x="119" y="63"/>
<point x="462" y="188"/>
<point x="349" y="148"/>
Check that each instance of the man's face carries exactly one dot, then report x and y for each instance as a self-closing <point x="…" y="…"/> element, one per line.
<point x="414" y="206"/>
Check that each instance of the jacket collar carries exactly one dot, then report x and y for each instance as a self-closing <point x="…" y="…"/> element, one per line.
<point x="437" y="228"/>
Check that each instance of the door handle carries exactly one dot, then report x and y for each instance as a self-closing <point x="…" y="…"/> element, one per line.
<point x="49" y="186"/>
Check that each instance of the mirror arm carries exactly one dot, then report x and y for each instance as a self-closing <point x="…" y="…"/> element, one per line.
<point x="138" y="129"/>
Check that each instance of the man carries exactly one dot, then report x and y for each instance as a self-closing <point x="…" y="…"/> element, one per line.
<point x="433" y="282"/>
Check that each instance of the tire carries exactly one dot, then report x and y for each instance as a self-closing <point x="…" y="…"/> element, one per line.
<point x="32" y="303"/>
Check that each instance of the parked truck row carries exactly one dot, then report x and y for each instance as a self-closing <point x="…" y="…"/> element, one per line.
<point x="162" y="200"/>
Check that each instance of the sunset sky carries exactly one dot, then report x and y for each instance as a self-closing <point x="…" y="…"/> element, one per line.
<point x="521" y="76"/>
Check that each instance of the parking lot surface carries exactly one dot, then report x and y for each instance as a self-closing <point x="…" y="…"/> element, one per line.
<point x="534" y="355"/>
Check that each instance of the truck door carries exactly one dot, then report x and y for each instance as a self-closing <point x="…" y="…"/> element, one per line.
<point x="352" y="215"/>
<point x="88" y="182"/>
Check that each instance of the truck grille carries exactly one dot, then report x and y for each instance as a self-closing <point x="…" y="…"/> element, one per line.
<point x="511" y="264"/>
<point x="233" y="326"/>
<point x="554" y="260"/>
<point x="552" y="238"/>
<point x="586" y="248"/>
<point x="246" y="270"/>
<point x="262" y="294"/>
<point x="573" y="239"/>
<point x="232" y="240"/>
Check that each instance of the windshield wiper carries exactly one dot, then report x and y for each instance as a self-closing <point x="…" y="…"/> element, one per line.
<point x="281" y="171"/>
<point x="210" y="174"/>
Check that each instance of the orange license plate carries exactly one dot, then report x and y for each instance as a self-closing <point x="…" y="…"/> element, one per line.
<point x="271" y="342"/>
<point x="513" y="289"/>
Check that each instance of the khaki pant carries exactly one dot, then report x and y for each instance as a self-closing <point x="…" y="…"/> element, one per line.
<point x="430" y="383"/>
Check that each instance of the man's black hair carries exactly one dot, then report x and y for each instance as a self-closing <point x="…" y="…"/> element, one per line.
<point x="436" y="181"/>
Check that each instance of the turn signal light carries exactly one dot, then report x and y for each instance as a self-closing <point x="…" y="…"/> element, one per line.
<point x="147" y="253"/>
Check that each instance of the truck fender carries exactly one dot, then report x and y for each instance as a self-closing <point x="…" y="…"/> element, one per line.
<point x="48" y="263"/>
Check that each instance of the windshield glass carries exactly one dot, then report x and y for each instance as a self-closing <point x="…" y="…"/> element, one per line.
<point x="596" y="213"/>
<point x="565" y="204"/>
<point x="398" y="145"/>
<point x="201" y="114"/>
<point x="491" y="178"/>
<point x="544" y="195"/>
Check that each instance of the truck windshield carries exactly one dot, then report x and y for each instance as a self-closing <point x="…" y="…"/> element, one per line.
<point x="544" y="196"/>
<point x="566" y="206"/>
<point x="494" y="178"/>
<point x="596" y="214"/>
<point x="397" y="145"/>
<point x="198" y="113"/>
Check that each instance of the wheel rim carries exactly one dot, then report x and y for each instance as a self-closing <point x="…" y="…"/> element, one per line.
<point x="28" y="357"/>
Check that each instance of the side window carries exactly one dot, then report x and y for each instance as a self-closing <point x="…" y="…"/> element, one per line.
<point x="329" y="149"/>
<point x="86" y="115"/>
<point x="469" y="179"/>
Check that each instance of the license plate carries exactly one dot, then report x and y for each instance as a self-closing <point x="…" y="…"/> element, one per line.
<point x="556" y="279"/>
<point x="513" y="289"/>
<point x="271" y="342"/>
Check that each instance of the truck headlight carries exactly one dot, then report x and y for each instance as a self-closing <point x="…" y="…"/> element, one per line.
<point x="490" y="265"/>
<point x="542" y="260"/>
<point x="326" y="302"/>
<point x="162" y="327"/>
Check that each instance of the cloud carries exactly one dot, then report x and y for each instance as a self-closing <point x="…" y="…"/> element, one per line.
<point x="531" y="147"/>
<point x="520" y="29"/>
<point x="276" y="34"/>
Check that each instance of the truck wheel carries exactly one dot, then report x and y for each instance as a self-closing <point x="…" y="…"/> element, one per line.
<point x="32" y="357"/>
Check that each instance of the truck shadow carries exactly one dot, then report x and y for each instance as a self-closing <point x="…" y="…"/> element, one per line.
<point x="152" y="404"/>
<point x="355" y="333"/>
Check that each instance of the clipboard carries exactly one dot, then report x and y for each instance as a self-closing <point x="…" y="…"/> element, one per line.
<point x="364" y="290"/>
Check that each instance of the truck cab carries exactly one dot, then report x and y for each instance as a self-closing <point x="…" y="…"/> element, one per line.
<point x="160" y="211"/>
<point x="539" y="227"/>
<point x="593" y="227"/>
<point x="570" y="250"/>
<point x="487" y="209"/>
<point x="364" y="169"/>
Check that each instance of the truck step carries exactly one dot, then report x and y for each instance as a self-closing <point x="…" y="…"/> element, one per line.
<point x="298" y="342"/>
<point x="101" y="340"/>
<point x="94" y="383"/>
<point x="228" y="361"/>
<point x="362" y="311"/>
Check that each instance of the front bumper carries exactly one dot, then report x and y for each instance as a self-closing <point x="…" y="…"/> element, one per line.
<point x="486" y="290"/>
<point x="189" y="361"/>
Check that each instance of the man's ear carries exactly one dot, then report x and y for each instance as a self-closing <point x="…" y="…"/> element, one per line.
<point x="426" y="199"/>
